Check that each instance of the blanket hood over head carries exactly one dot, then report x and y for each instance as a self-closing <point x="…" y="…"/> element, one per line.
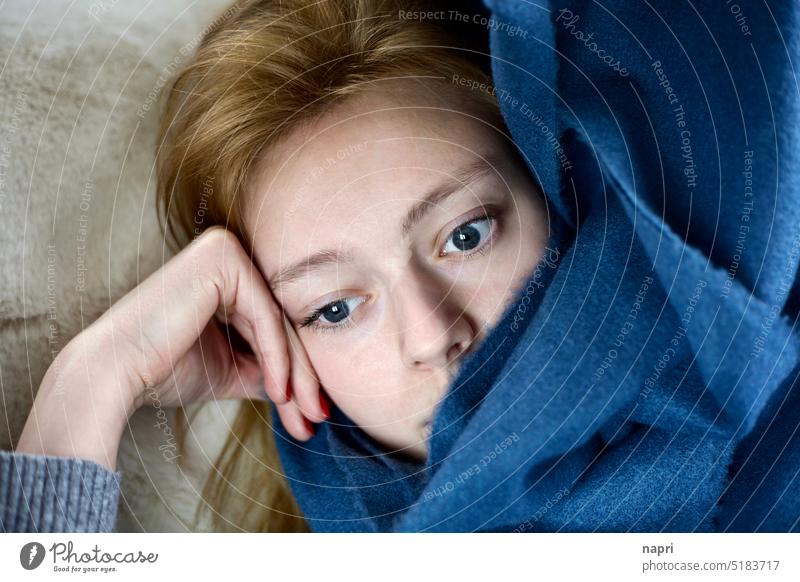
<point x="645" y="378"/>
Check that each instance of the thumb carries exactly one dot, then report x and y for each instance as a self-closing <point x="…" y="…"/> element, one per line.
<point x="244" y="380"/>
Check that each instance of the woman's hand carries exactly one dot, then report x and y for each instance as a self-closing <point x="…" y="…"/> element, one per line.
<point x="162" y="343"/>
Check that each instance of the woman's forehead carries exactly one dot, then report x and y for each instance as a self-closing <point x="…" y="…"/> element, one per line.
<point x="374" y="130"/>
<point x="363" y="163"/>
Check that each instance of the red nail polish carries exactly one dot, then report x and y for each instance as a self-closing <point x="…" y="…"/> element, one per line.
<point x="309" y="426"/>
<point x="323" y="403"/>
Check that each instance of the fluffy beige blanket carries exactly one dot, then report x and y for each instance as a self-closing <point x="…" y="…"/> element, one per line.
<point x="79" y="87"/>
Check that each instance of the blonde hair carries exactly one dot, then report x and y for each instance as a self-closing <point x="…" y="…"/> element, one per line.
<point x="258" y="74"/>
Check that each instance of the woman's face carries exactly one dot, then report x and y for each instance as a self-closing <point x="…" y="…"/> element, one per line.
<point x="393" y="232"/>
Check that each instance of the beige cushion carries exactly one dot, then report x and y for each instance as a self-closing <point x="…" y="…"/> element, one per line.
<point x="78" y="115"/>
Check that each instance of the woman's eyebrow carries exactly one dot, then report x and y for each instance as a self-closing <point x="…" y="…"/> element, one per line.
<point x="461" y="179"/>
<point x="312" y="262"/>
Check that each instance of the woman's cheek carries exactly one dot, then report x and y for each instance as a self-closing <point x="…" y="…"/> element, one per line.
<point x="363" y="384"/>
<point x="342" y="372"/>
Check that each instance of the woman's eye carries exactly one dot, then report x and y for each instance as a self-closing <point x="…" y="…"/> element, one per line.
<point x="334" y="313"/>
<point x="469" y="236"/>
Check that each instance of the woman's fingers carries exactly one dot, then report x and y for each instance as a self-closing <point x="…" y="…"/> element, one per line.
<point x="258" y="317"/>
<point x="247" y="303"/>
<point x="294" y="422"/>
<point x="305" y="385"/>
<point x="291" y="382"/>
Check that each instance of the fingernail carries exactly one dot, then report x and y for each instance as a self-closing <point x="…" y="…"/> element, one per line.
<point x="309" y="426"/>
<point x="323" y="403"/>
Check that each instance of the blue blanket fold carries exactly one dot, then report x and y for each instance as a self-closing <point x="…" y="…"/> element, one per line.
<point x="645" y="377"/>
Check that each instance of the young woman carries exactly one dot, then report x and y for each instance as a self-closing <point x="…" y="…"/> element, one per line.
<point x="349" y="204"/>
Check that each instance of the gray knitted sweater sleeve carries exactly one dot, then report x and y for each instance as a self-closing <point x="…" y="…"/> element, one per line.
<point x="43" y="493"/>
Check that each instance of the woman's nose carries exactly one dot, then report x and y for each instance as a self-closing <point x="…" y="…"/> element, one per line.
<point x="432" y="324"/>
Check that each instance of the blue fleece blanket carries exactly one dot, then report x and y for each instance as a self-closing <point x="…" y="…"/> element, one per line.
<point x="646" y="378"/>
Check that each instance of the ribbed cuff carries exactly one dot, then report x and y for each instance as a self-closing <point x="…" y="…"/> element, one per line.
<point x="43" y="493"/>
